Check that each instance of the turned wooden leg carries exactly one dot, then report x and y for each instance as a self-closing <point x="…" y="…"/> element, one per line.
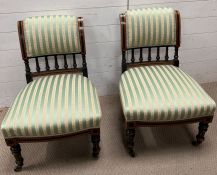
<point x="130" y="133"/>
<point x="203" y="126"/>
<point x="16" y="151"/>
<point x="95" y="138"/>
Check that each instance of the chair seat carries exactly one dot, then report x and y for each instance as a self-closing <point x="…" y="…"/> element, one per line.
<point x="162" y="93"/>
<point x="53" y="105"/>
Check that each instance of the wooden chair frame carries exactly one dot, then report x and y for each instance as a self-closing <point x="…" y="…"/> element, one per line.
<point x="95" y="132"/>
<point x="130" y="126"/>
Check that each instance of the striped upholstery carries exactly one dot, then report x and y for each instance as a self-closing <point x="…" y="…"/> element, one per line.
<point x="150" y="27"/>
<point x="47" y="35"/>
<point x="53" y="105"/>
<point x="162" y="93"/>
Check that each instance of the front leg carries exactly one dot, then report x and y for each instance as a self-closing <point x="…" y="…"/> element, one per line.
<point x="95" y="138"/>
<point x="203" y="126"/>
<point x="130" y="133"/>
<point x="16" y="151"/>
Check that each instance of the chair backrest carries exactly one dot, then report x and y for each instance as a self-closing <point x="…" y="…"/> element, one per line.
<point x="150" y="28"/>
<point x="45" y="36"/>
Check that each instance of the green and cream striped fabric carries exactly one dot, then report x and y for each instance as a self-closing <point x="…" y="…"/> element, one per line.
<point x="162" y="93"/>
<point x="150" y="27"/>
<point x="53" y="105"/>
<point x="47" y="35"/>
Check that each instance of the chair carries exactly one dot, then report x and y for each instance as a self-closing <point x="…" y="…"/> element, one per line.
<point x="155" y="92"/>
<point x="60" y="102"/>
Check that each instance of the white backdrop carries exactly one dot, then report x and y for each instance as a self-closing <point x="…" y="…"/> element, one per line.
<point x="198" y="52"/>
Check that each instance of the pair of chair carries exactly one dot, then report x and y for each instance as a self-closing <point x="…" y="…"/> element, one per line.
<point x="61" y="104"/>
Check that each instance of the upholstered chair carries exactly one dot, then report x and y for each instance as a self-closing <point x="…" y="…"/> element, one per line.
<point x="59" y="100"/>
<point x="154" y="91"/>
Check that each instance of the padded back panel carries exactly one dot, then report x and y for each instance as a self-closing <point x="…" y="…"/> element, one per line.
<point x="48" y="35"/>
<point x="150" y="27"/>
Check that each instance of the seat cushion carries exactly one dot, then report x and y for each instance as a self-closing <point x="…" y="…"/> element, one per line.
<point x="162" y="93"/>
<point x="53" y="105"/>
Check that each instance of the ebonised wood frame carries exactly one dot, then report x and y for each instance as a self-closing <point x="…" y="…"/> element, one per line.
<point x="130" y="126"/>
<point x="95" y="132"/>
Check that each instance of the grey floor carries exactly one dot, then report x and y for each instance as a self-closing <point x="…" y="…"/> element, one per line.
<point x="162" y="150"/>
